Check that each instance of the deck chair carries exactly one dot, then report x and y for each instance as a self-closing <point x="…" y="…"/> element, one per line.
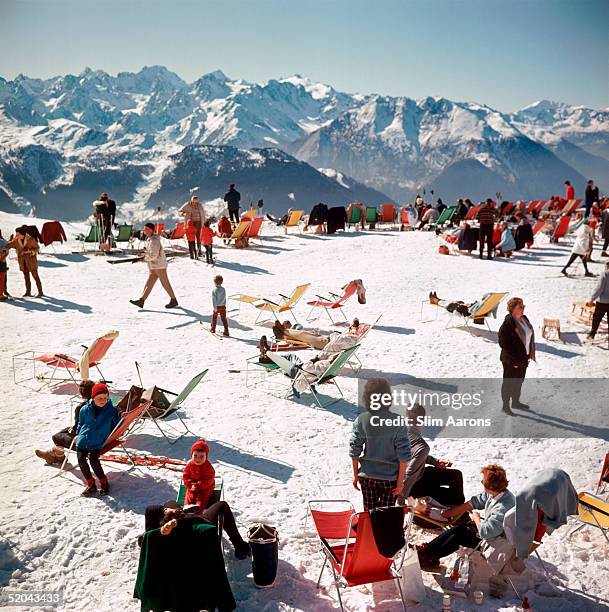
<point x="287" y="304"/>
<point x="346" y="543"/>
<point x="531" y="206"/>
<point x="59" y="362"/>
<point x="253" y="230"/>
<point x="592" y="511"/>
<point x="92" y="236"/>
<point x="335" y="302"/>
<point x="125" y="231"/>
<point x="538" y="227"/>
<point x="118" y="437"/>
<point x="327" y="376"/>
<point x="173" y="408"/>
<point x="561" y="228"/>
<point x="486" y="309"/>
<point x="355" y="215"/>
<point x="509" y="208"/>
<point x="371" y="216"/>
<point x="387" y="215"/>
<point x="179" y="231"/>
<point x="293" y="219"/>
<point x="446" y="216"/>
<point x="216" y="496"/>
<point x="603" y="480"/>
<point x="158" y="228"/>
<point x="239" y="235"/>
<point x="249" y="215"/>
<point x="472" y="212"/>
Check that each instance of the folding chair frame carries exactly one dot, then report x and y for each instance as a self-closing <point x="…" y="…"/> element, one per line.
<point x="591" y="510"/>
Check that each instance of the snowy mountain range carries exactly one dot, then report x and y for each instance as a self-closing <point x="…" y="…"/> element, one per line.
<point x="150" y="139"/>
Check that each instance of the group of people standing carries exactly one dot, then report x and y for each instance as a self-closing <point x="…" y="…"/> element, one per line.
<point x="27" y="250"/>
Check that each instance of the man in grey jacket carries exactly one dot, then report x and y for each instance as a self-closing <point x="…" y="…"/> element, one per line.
<point x="379" y="449"/>
<point x="496" y="500"/>
<point x="600" y="301"/>
<point x="154" y="256"/>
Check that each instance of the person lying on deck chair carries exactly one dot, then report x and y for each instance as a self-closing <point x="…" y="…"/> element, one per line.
<point x="466" y="310"/>
<point x="63" y="439"/>
<point x="426" y="475"/>
<point x="496" y="500"/>
<point x="171" y="515"/>
<point x="286" y="331"/>
<point x="304" y="372"/>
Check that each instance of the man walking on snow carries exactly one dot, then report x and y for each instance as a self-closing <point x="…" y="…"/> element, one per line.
<point x="154" y="256"/>
<point x="232" y="198"/>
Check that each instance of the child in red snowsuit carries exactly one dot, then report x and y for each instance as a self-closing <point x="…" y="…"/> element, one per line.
<point x="191" y="235"/>
<point x="207" y="238"/>
<point x="199" y="476"/>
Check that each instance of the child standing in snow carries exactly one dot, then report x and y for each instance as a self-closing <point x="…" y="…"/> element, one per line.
<point x="218" y="299"/>
<point x="207" y="238"/>
<point x="199" y="476"/>
<point x="191" y="235"/>
<point x="96" y="420"/>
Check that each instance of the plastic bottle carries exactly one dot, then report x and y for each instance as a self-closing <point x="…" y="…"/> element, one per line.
<point x="463" y="571"/>
<point x="446" y="603"/>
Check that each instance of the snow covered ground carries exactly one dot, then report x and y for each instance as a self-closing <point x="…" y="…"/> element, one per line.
<point x="274" y="454"/>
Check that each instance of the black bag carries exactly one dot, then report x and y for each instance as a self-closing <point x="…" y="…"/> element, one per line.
<point x="264" y="542"/>
<point x="160" y="403"/>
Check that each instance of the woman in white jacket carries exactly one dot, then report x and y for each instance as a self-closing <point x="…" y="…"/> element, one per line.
<point x="154" y="256"/>
<point x="582" y="247"/>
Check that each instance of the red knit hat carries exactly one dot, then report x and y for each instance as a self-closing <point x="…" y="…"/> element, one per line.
<point x="200" y="445"/>
<point x="98" y="389"/>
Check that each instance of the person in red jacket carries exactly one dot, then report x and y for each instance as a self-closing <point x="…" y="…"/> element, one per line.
<point x="570" y="191"/>
<point x="207" y="238"/>
<point x="225" y="229"/>
<point x="199" y="476"/>
<point x="191" y="235"/>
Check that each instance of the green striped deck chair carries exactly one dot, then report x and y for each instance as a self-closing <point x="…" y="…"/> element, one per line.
<point x="446" y="216"/>
<point x="216" y="496"/>
<point x="124" y="232"/>
<point x="371" y="215"/>
<point x="355" y="216"/>
<point x="173" y="409"/>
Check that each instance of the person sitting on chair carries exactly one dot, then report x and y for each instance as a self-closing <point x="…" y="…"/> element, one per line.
<point x="169" y="516"/>
<point x="63" y="439"/>
<point x="425" y="475"/>
<point x="496" y="500"/>
<point x="465" y="310"/>
<point x="288" y="332"/>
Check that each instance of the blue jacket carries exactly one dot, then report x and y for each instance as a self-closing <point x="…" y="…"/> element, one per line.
<point x="495" y="508"/>
<point x="93" y="431"/>
<point x="383" y="446"/>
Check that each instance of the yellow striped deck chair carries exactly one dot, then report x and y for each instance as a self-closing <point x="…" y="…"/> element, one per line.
<point x="490" y="303"/>
<point x="294" y="219"/>
<point x="239" y="236"/>
<point x="287" y="304"/>
<point x="592" y="511"/>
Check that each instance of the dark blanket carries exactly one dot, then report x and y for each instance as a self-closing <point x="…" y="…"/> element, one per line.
<point x="337" y="218"/>
<point x="388" y="529"/>
<point x="524" y="235"/>
<point x="318" y="215"/>
<point x="183" y="571"/>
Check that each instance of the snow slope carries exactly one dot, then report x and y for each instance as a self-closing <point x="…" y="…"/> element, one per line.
<point x="274" y="454"/>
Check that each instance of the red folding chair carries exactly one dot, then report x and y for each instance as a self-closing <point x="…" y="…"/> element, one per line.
<point x="179" y="231"/>
<point x="472" y="212"/>
<point x="355" y="559"/>
<point x="335" y="302"/>
<point x="71" y="365"/>
<point x="560" y="231"/>
<point x="531" y="206"/>
<point x="158" y="228"/>
<point x="388" y="214"/>
<point x="253" y="231"/>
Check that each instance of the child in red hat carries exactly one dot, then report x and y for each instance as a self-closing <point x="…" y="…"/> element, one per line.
<point x="199" y="476"/>
<point x="191" y="235"/>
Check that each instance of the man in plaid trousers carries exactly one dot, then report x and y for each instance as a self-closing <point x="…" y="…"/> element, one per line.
<point x="379" y="452"/>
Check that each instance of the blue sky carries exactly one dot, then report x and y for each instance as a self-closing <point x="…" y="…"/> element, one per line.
<point x="505" y="53"/>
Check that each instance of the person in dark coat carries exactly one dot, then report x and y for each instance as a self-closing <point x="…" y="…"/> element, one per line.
<point x="605" y="231"/>
<point x="232" y="198"/>
<point x="591" y="197"/>
<point x="517" y="342"/>
<point x="63" y="439"/>
<point x="524" y="232"/>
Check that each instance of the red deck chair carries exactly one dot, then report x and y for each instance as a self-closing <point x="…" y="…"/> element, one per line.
<point x="90" y="358"/>
<point x="496" y="236"/>
<point x="158" y="228"/>
<point x="388" y="214"/>
<point x="356" y="559"/>
<point x="540" y="206"/>
<point x="335" y="302"/>
<point x="118" y="436"/>
<point x="560" y="231"/>
<point x="604" y="477"/>
<point x="472" y="212"/>
<point x="179" y="231"/>
<point x="253" y="230"/>
<point x="531" y="206"/>
<point x="509" y="208"/>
